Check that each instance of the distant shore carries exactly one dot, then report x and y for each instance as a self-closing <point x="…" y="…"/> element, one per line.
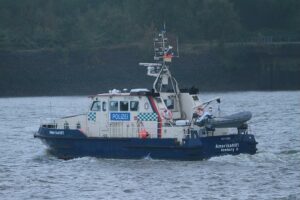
<point x="90" y="71"/>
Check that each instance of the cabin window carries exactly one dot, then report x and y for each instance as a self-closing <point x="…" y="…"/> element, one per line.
<point x="134" y="105"/>
<point x="169" y="103"/>
<point x="104" y="106"/>
<point x="123" y="105"/>
<point x="158" y="99"/>
<point x="96" y="106"/>
<point x="113" y="106"/>
<point x="78" y="126"/>
<point x="195" y="98"/>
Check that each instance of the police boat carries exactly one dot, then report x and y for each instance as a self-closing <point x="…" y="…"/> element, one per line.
<point x="161" y="123"/>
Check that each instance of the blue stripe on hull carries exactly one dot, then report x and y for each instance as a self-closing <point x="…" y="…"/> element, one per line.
<point x="72" y="143"/>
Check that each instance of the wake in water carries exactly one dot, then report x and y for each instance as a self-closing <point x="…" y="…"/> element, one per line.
<point x="148" y="157"/>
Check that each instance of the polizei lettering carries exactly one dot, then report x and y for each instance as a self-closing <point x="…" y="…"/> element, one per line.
<point x="120" y="116"/>
<point x="228" y="147"/>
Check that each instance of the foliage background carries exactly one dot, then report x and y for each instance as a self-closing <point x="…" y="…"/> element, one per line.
<point x="51" y="47"/>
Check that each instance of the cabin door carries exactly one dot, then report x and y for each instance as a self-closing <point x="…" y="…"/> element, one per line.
<point x="92" y="123"/>
<point x="97" y="120"/>
<point x="103" y="120"/>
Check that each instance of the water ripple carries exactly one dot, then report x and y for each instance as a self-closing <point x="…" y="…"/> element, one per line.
<point x="27" y="171"/>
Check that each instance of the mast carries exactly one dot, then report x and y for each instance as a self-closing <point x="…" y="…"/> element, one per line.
<point x="163" y="55"/>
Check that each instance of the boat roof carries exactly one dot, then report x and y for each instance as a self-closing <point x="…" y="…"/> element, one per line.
<point x="133" y="92"/>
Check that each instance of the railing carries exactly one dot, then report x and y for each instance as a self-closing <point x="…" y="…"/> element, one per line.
<point x="118" y="129"/>
<point x="48" y="123"/>
<point x="62" y="124"/>
<point x="133" y="129"/>
<point x="121" y="129"/>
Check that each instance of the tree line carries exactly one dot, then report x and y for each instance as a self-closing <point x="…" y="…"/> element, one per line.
<point x="80" y="24"/>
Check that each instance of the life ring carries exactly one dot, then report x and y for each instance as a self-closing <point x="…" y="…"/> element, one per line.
<point x="167" y="114"/>
<point x="143" y="134"/>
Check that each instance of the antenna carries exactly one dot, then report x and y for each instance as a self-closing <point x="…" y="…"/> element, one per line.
<point x="163" y="55"/>
<point x="50" y="106"/>
<point x="177" y="47"/>
<point x="164" y="52"/>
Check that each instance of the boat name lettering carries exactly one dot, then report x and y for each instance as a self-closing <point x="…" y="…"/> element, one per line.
<point x="56" y="132"/>
<point x="228" y="147"/>
<point x="120" y="116"/>
<point x="221" y="146"/>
